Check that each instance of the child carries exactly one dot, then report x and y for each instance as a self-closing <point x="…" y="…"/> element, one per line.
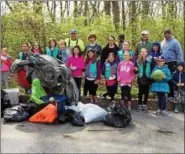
<point x="126" y="76"/>
<point x="6" y="61"/>
<point x="156" y="52"/>
<point x="109" y="70"/>
<point x="64" y="52"/>
<point x="92" y="74"/>
<point x="144" y="71"/>
<point x="36" y="49"/>
<point x="76" y="64"/>
<point x="120" y="55"/>
<point x="24" y="51"/>
<point x="178" y="80"/>
<point x="161" y="87"/>
<point x="52" y="50"/>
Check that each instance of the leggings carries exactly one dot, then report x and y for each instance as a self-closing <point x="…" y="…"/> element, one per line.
<point x="4" y="78"/>
<point x="91" y="87"/>
<point x="161" y="100"/>
<point x="143" y="90"/>
<point x="78" y="81"/>
<point x="111" y="91"/>
<point x="126" y="93"/>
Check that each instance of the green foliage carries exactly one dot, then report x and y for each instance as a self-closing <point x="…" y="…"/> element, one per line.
<point x="23" y="24"/>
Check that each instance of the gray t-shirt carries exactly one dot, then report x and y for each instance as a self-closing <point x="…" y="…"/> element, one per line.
<point x="97" y="48"/>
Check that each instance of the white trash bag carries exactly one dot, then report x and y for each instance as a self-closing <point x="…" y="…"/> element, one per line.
<point x="91" y="112"/>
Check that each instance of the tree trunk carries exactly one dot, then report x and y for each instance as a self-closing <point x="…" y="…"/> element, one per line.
<point x="61" y="12"/>
<point x="170" y="10"/>
<point x="75" y="9"/>
<point x="123" y="15"/>
<point x="133" y="22"/>
<point x="107" y="7"/>
<point x="116" y="14"/>
<point x="86" y="13"/>
<point x="163" y="9"/>
<point x="145" y="6"/>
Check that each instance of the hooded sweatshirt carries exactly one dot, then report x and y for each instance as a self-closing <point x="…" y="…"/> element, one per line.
<point x="6" y="61"/>
<point x="125" y="72"/>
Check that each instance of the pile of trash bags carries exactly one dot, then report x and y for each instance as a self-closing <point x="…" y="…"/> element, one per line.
<point x="115" y="115"/>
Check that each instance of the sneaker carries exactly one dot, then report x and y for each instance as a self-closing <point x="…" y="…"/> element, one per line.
<point x="145" y="108"/>
<point x="164" y="113"/>
<point x="158" y="112"/>
<point x="176" y="110"/>
<point x="171" y="99"/>
<point x="102" y="96"/>
<point x="139" y="108"/>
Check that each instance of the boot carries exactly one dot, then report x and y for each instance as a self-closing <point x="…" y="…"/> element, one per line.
<point x="176" y="108"/>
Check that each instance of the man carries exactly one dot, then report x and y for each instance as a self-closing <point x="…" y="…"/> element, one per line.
<point x="74" y="40"/>
<point x="172" y="53"/>
<point x="145" y="43"/>
<point x="93" y="45"/>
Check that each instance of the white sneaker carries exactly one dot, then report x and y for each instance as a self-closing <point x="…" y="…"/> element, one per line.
<point x="164" y="113"/>
<point x="158" y="112"/>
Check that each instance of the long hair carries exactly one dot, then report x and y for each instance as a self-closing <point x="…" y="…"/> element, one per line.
<point x="50" y="43"/>
<point x="87" y="57"/>
<point x="141" y="60"/>
<point x="32" y="49"/>
<point x="80" y="52"/>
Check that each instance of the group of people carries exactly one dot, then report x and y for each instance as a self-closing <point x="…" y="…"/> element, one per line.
<point x="118" y="65"/>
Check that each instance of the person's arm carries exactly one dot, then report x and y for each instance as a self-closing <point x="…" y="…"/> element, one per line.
<point x="132" y="74"/>
<point x="178" y="51"/>
<point x="168" y="76"/>
<point x="98" y="70"/>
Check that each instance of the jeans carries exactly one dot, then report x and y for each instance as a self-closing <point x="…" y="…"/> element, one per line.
<point x="161" y="100"/>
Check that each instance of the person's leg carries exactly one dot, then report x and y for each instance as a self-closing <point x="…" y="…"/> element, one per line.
<point x="95" y="87"/>
<point x="78" y="83"/>
<point x="90" y="89"/>
<point x="140" y="94"/>
<point x="85" y="88"/>
<point x="164" y="104"/>
<point x="2" y="79"/>
<point x="176" y="101"/>
<point x="6" y="79"/>
<point x="122" y="92"/>
<point x="129" y="98"/>
<point x="146" y="94"/>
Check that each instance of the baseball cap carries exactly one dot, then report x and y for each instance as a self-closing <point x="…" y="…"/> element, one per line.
<point x="144" y="32"/>
<point x="160" y="58"/>
<point x="73" y="31"/>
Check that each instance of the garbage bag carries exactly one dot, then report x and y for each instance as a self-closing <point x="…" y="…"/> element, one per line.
<point x="5" y="101"/>
<point x="15" y="114"/>
<point x="91" y="112"/>
<point x="78" y="119"/>
<point x="118" y="116"/>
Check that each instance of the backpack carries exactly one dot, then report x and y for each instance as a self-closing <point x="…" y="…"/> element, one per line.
<point x="15" y="114"/>
<point x="5" y="101"/>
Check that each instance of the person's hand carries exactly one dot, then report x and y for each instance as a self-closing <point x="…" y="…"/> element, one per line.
<point x="182" y="84"/>
<point x="118" y="79"/>
<point x="164" y="76"/>
<point x="178" y="84"/>
<point x="97" y="81"/>
<point x="72" y="68"/>
<point x="135" y="69"/>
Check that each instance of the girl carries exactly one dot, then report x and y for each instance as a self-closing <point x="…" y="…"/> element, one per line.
<point x="6" y="61"/>
<point x="110" y="74"/>
<point x="52" y="50"/>
<point x="156" y="52"/>
<point x="111" y="47"/>
<point x="126" y="76"/>
<point x="144" y="71"/>
<point x="64" y="52"/>
<point x="36" y="49"/>
<point x="120" y="55"/>
<point x="76" y="64"/>
<point x="161" y="87"/>
<point x="92" y="74"/>
<point x="178" y="80"/>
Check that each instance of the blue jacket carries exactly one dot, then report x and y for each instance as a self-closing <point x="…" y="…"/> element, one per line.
<point x="162" y="86"/>
<point x="51" y="53"/>
<point x="63" y="55"/>
<point x="147" y="70"/>
<point x="171" y="50"/>
<point x="176" y="77"/>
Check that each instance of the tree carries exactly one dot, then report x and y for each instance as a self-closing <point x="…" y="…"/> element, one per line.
<point x="107" y="7"/>
<point x="86" y="8"/>
<point x="116" y="14"/>
<point x="123" y="15"/>
<point x="145" y="7"/>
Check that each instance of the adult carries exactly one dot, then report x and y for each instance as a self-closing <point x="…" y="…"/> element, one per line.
<point x="172" y="53"/>
<point x="24" y="51"/>
<point x="121" y="39"/>
<point x="93" y="45"/>
<point x="111" y="47"/>
<point x="74" y="40"/>
<point x="145" y="43"/>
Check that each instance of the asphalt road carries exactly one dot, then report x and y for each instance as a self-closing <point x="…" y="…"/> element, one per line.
<point x="146" y="134"/>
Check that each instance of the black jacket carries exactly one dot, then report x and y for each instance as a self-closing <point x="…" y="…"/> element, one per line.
<point x="175" y="79"/>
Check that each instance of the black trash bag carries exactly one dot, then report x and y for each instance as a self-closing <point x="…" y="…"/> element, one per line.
<point x="15" y="114"/>
<point x="5" y="102"/>
<point x="78" y="120"/>
<point x="118" y="116"/>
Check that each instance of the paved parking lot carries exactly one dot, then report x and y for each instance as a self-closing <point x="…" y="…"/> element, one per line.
<point x="146" y="134"/>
